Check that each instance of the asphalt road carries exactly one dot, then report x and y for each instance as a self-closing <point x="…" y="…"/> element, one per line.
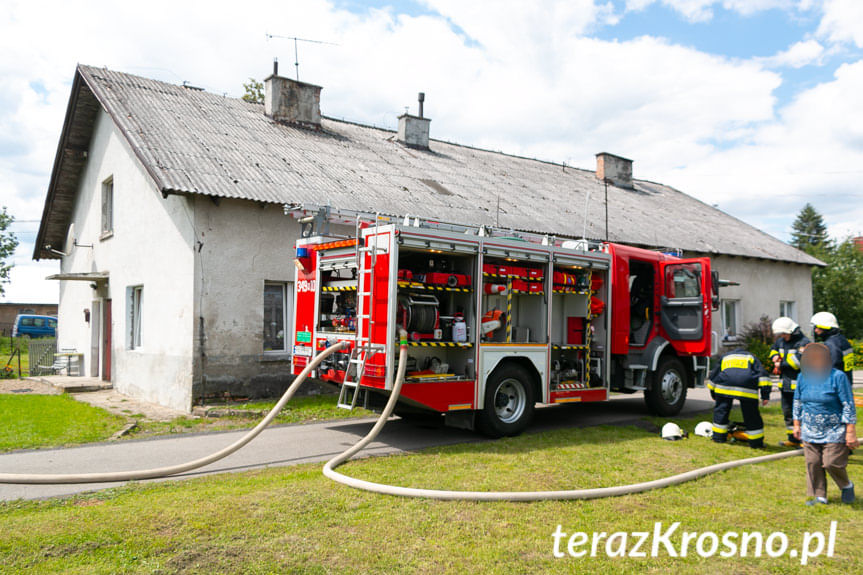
<point x="289" y="445"/>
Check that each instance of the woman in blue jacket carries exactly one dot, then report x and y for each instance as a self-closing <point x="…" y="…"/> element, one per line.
<point x="825" y="421"/>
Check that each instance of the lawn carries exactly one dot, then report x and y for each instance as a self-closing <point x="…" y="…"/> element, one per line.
<point x="306" y="409"/>
<point x="28" y="421"/>
<point x="293" y="520"/>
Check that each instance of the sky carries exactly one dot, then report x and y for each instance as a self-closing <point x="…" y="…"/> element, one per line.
<point x="750" y="105"/>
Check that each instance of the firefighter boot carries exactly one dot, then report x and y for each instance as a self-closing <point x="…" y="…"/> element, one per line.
<point x="790" y="441"/>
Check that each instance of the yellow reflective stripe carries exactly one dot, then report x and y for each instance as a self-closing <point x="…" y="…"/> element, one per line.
<point x="791" y="359"/>
<point x="736" y="361"/>
<point x="736" y="393"/>
<point x="719" y="429"/>
<point x="773" y="352"/>
<point x="754" y="435"/>
<point x="710" y="385"/>
<point x="764" y="382"/>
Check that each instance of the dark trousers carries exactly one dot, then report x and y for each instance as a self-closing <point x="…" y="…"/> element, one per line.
<point x="787" y="412"/>
<point x="751" y="419"/>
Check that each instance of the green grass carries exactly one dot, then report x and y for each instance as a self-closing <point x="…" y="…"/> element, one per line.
<point x="7" y="344"/>
<point x="28" y="421"/>
<point x="306" y="409"/>
<point x="293" y="520"/>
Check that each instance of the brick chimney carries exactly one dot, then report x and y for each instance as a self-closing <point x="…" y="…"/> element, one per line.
<point x="614" y="169"/>
<point x="287" y="100"/>
<point x="414" y="130"/>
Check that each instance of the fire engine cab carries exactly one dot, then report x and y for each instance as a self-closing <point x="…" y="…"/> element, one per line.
<point x="498" y="322"/>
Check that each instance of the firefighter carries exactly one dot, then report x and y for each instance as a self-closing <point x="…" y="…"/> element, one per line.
<point x="739" y="375"/>
<point x="785" y="353"/>
<point x="827" y="331"/>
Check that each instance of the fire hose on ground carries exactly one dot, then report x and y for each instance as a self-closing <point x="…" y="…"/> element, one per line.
<point x="331" y="465"/>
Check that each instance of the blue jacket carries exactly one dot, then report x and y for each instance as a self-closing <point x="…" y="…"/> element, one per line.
<point x="823" y="408"/>
<point x="739" y="374"/>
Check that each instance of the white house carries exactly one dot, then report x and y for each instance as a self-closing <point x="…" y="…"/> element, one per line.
<point x="165" y="209"/>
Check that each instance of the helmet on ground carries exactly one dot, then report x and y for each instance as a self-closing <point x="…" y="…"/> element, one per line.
<point x="825" y="320"/>
<point x="704" y="429"/>
<point x="784" y="325"/>
<point x="672" y="432"/>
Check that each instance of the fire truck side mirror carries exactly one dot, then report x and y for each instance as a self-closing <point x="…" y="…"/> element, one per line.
<point x="714" y="277"/>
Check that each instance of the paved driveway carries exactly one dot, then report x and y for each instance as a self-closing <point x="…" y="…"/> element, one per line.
<point x="288" y="445"/>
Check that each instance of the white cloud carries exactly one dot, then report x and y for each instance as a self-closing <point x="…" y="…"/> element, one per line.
<point x="703" y="10"/>
<point x="797" y="55"/>
<point x="842" y="21"/>
<point x="813" y="153"/>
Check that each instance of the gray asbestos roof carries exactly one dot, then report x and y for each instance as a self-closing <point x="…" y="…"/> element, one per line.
<point x="201" y="143"/>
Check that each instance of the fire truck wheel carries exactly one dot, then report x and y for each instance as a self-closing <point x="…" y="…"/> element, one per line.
<point x="667" y="394"/>
<point x="509" y="402"/>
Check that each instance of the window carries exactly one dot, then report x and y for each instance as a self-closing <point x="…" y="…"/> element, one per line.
<point x="730" y="308"/>
<point x="135" y="301"/>
<point x="683" y="280"/>
<point x="278" y="315"/>
<point x="788" y="309"/>
<point x="108" y="206"/>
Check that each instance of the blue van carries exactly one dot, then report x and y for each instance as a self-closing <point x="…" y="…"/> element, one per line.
<point x="35" y="326"/>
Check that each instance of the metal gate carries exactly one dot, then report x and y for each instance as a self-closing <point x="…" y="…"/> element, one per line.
<point x="42" y="352"/>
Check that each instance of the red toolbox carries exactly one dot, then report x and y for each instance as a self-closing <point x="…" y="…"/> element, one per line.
<point x="517" y="272"/>
<point x="527" y="287"/>
<point x="495" y="270"/>
<point x="535" y="274"/>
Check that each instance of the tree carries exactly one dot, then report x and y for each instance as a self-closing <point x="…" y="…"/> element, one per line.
<point x="8" y="243"/>
<point x="254" y="91"/>
<point x="838" y="287"/>
<point x="809" y="229"/>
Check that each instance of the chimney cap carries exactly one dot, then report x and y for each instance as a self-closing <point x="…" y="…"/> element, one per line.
<point x="613" y="156"/>
<point x="300" y="82"/>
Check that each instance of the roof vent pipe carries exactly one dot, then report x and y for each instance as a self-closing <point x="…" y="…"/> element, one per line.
<point x="421" y="97"/>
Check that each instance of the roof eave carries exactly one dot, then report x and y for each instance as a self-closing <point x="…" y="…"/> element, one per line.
<point x="39" y="251"/>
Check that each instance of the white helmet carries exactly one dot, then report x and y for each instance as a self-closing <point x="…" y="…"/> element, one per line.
<point x="784" y="325"/>
<point x="672" y="432"/>
<point x="704" y="429"/>
<point x="825" y="320"/>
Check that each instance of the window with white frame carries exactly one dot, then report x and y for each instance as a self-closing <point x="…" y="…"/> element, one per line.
<point x="278" y="315"/>
<point x="788" y="309"/>
<point x="730" y="317"/>
<point x="135" y="302"/>
<point x="108" y="206"/>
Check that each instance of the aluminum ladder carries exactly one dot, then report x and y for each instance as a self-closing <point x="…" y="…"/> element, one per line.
<point x="363" y="349"/>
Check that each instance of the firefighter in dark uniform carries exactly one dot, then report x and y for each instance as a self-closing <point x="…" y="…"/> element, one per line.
<point x="785" y="354"/>
<point x="827" y="331"/>
<point x="739" y="375"/>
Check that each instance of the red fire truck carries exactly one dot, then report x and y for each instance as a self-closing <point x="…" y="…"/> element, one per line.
<point x="498" y="322"/>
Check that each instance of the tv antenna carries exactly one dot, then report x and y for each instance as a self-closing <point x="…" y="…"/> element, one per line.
<point x="296" y="50"/>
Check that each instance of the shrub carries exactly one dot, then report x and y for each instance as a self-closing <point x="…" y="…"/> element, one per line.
<point x="758" y="339"/>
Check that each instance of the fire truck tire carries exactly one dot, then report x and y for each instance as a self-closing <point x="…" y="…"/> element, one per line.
<point x="667" y="393"/>
<point x="509" y="402"/>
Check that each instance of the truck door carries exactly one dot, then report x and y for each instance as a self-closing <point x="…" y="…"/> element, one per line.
<point x="685" y="304"/>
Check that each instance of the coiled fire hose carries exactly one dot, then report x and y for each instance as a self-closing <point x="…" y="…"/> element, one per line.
<point x="330" y="466"/>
